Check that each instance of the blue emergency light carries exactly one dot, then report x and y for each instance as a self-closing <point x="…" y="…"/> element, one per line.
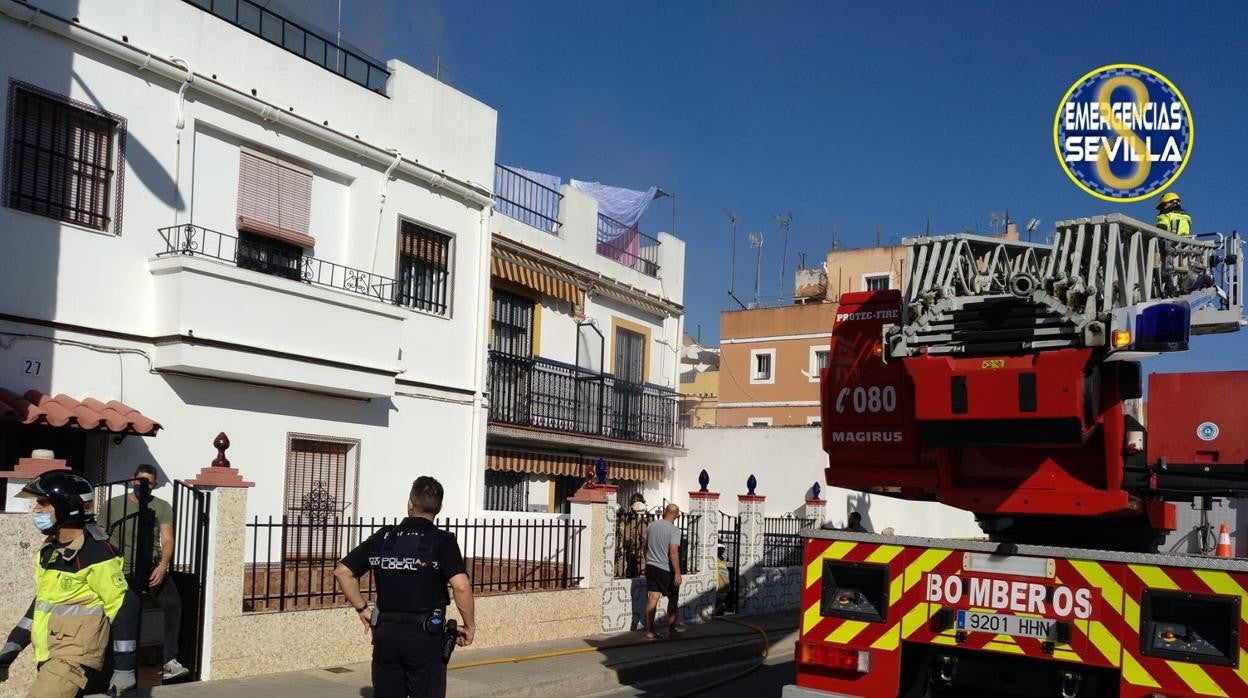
<point x="1163" y="327"/>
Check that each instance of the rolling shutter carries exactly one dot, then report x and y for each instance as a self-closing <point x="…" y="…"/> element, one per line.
<point x="274" y="198"/>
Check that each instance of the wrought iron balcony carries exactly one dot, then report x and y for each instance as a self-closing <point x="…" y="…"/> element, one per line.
<point x="274" y="259"/>
<point x="525" y="199"/>
<point x="628" y="246"/>
<point x="537" y="392"/>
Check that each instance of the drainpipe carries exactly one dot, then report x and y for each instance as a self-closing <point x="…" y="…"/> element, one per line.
<point x="470" y="192"/>
<point x="180" y="124"/>
<point x="480" y="414"/>
<point x="381" y="209"/>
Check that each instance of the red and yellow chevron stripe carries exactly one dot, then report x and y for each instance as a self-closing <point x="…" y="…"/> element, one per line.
<point x="1111" y="639"/>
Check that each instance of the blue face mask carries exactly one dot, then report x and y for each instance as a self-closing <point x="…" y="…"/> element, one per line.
<point x="44" y="522"/>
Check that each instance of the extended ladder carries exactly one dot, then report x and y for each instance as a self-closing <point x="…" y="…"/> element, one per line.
<point x="975" y="294"/>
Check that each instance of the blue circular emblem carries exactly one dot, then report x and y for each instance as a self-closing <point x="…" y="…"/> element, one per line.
<point x="1123" y="132"/>
<point x="1207" y="431"/>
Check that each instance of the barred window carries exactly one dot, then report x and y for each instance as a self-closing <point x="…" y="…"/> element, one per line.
<point x="506" y="491"/>
<point x="424" y="268"/>
<point x="877" y="282"/>
<point x="316" y="478"/>
<point x="511" y="325"/>
<point x="62" y="159"/>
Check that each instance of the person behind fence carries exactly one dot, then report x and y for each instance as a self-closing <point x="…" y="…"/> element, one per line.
<point x="79" y="592"/>
<point x="663" y="569"/>
<point x="139" y="521"/>
<point x="412" y="563"/>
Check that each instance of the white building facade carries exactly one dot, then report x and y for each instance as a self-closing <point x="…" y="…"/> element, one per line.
<point x="221" y="221"/>
<point x="585" y="324"/>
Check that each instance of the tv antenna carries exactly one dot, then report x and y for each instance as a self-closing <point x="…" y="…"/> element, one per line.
<point x="756" y="241"/>
<point x="784" y="221"/>
<point x="732" y="270"/>
<point x="1031" y="227"/>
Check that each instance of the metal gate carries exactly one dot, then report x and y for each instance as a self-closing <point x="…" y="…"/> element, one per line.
<point x="119" y="513"/>
<point x="190" y="568"/>
<point x="729" y="560"/>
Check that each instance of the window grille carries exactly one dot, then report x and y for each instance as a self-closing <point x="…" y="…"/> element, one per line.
<point x="424" y="269"/>
<point x="60" y="158"/>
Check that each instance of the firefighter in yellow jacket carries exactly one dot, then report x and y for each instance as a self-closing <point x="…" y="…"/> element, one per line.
<point x="1171" y="217"/>
<point x="80" y="591"/>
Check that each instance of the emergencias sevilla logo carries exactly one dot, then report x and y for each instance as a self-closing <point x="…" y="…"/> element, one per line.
<point x="1123" y="132"/>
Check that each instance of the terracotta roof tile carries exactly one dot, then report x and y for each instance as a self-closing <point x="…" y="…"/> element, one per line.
<point x="34" y="407"/>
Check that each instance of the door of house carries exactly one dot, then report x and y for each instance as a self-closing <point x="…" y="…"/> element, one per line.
<point x="511" y="358"/>
<point x="630" y="362"/>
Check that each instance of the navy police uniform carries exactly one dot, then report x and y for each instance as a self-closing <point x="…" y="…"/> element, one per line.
<point x="411" y="565"/>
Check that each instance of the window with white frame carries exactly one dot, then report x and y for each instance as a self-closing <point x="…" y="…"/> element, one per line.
<point x="763" y="366"/>
<point x="877" y="282"/>
<point x="758" y="421"/>
<point x="820" y="358"/>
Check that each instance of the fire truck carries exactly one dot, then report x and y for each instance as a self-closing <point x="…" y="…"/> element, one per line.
<point x="1004" y="379"/>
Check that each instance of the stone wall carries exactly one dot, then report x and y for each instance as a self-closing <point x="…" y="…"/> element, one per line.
<point x="19" y="540"/>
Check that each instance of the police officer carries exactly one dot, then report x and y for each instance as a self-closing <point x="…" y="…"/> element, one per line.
<point x="79" y="590"/>
<point x="1171" y="216"/>
<point x="412" y="564"/>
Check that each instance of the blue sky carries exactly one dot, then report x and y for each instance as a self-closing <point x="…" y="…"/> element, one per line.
<point x="845" y="115"/>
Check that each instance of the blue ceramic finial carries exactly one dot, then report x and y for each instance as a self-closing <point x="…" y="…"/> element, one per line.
<point x="751" y="484"/>
<point x="815" y="491"/>
<point x="704" y="480"/>
<point x="601" y="470"/>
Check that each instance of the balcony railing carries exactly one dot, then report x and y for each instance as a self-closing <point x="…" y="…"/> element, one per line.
<point x="628" y="246"/>
<point x="525" y="199"/>
<point x="306" y="43"/>
<point x="274" y="260"/>
<point x="536" y="392"/>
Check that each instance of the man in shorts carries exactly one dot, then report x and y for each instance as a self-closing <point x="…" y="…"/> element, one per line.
<point x="663" y="569"/>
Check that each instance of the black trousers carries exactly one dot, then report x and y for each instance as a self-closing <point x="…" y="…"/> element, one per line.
<point x="407" y="662"/>
<point x="170" y="603"/>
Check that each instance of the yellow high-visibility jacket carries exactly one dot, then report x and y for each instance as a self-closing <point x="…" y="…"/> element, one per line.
<point x="1176" y="221"/>
<point x="79" y="590"/>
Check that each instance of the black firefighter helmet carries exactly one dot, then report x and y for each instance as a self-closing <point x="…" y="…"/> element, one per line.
<point x="67" y="492"/>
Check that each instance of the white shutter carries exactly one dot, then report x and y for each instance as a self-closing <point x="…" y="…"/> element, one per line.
<point x="274" y="198"/>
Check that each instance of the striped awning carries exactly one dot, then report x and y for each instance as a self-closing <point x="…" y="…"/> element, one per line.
<point x="634" y="300"/>
<point x="533" y="274"/>
<point x="570" y="465"/>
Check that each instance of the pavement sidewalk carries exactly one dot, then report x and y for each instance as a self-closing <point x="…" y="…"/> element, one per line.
<point x="573" y="667"/>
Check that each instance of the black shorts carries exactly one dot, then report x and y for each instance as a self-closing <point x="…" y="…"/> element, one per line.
<point x="662" y="581"/>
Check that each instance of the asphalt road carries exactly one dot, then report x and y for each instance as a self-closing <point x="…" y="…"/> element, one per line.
<point x="764" y="682"/>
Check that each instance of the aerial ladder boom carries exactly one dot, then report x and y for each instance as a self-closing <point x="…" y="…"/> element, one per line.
<point x="1093" y="278"/>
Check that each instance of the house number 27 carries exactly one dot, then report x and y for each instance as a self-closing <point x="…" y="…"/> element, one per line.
<point x="32" y="366"/>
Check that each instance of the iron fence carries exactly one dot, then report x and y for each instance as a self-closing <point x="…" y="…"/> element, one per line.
<point x="537" y="392"/>
<point x="260" y="20"/>
<point x="293" y="557"/>
<point x="630" y="542"/>
<point x="274" y="260"/>
<point x="628" y="246"/>
<point x="782" y="544"/>
<point x="525" y="199"/>
<point x="728" y="564"/>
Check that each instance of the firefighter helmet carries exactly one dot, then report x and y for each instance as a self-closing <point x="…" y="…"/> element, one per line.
<point x="69" y="493"/>
<point x="1168" y="198"/>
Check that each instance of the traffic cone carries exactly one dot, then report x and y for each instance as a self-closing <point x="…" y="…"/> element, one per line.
<point x="1224" y="542"/>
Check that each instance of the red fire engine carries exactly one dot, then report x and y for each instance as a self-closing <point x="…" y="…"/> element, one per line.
<point x="1004" y="379"/>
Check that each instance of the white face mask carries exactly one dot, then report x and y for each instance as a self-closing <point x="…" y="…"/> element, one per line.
<point x="44" y="522"/>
